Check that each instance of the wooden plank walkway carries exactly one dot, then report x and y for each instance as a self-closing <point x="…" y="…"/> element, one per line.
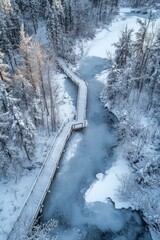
<point x="82" y="91"/>
<point x="42" y="183"/>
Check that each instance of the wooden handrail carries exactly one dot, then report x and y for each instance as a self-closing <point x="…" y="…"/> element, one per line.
<point x="56" y="149"/>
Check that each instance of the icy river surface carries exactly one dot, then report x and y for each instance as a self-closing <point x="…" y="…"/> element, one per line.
<point x="87" y="154"/>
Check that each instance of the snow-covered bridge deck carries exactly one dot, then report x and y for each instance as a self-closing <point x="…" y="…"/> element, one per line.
<point x="82" y="91"/>
<point x="42" y="183"/>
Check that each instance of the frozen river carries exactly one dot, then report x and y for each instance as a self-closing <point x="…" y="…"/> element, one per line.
<point x="87" y="154"/>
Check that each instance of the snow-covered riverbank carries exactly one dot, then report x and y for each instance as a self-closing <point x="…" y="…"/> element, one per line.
<point x="90" y="160"/>
<point x="83" y="168"/>
<point x="106" y="186"/>
<point x="15" y="191"/>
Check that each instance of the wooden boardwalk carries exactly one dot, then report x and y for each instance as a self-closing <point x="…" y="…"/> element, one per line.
<point x="82" y="92"/>
<point x="42" y="183"/>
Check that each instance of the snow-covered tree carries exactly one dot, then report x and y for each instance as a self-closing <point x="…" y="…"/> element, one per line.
<point x="43" y="231"/>
<point x="17" y="134"/>
<point x="4" y="68"/>
<point x="30" y="11"/>
<point x="9" y="34"/>
<point x="138" y="3"/>
<point x="132" y="93"/>
<point x="123" y="48"/>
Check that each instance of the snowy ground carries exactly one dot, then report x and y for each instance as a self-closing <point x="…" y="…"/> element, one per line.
<point x="86" y="155"/>
<point x="85" y="160"/>
<point x="103" y="42"/>
<point x="14" y="193"/>
<point x="106" y="185"/>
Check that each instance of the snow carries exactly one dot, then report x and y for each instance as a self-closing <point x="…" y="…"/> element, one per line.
<point x="66" y="109"/>
<point x="155" y="236"/>
<point x="83" y="165"/>
<point x="82" y="91"/>
<point x="103" y="42"/>
<point x="41" y="33"/>
<point x="14" y="193"/>
<point x="67" y="113"/>
<point x="78" y="172"/>
<point x="107" y="185"/>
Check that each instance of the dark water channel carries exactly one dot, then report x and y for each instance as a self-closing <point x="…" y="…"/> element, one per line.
<point x="78" y="168"/>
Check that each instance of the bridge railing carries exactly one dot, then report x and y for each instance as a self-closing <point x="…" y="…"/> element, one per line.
<point x="30" y="209"/>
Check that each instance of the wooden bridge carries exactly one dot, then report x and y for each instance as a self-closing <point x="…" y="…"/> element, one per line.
<point x="34" y="201"/>
<point x="82" y="93"/>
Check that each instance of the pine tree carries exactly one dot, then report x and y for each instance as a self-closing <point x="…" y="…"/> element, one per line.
<point x="26" y="58"/>
<point x="123" y="48"/>
<point x="4" y="74"/>
<point x="16" y="133"/>
<point x="9" y="35"/>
